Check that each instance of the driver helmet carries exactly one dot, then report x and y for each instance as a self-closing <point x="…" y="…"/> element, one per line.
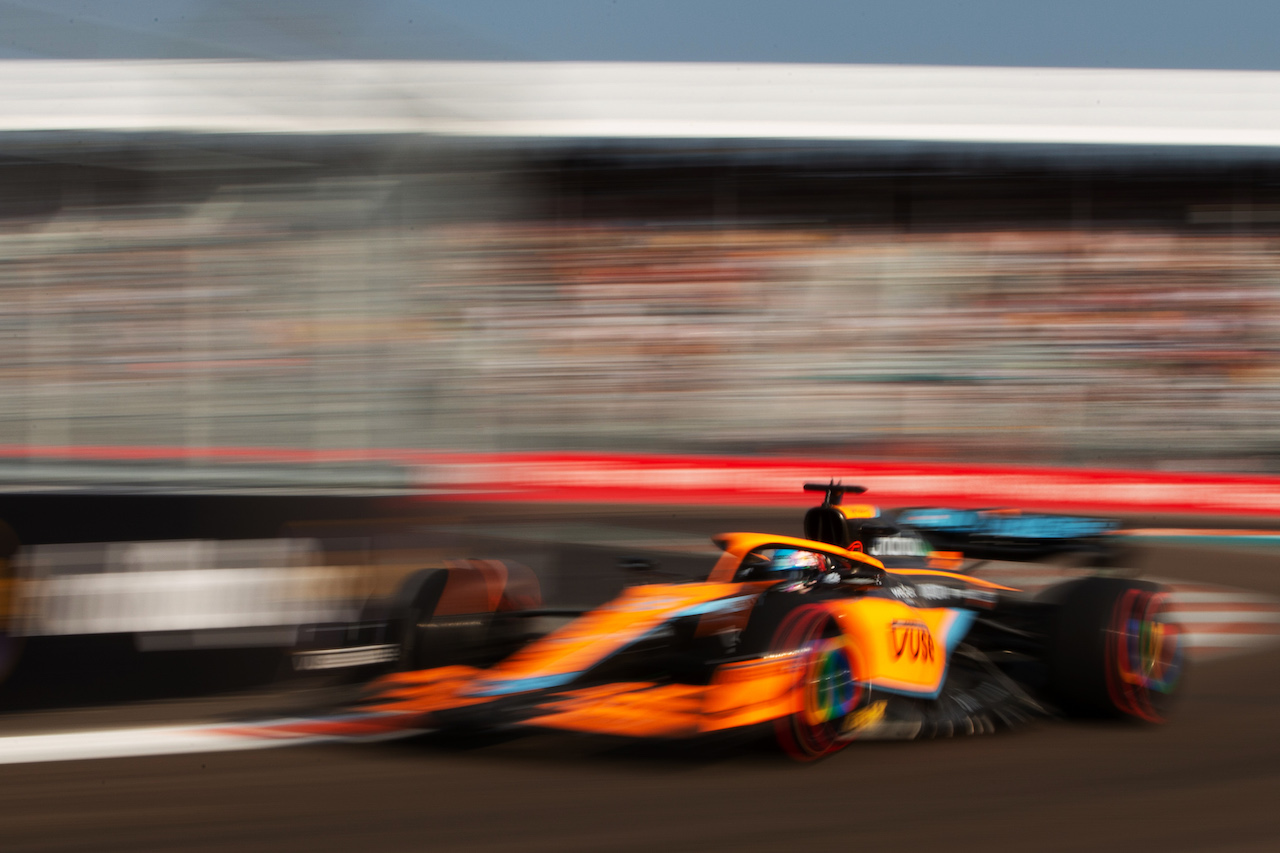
<point x="795" y="564"/>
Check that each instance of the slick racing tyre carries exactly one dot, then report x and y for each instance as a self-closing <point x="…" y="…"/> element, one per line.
<point x="465" y="614"/>
<point x="413" y="608"/>
<point x="827" y="687"/>
<point x="1115" y="652"/>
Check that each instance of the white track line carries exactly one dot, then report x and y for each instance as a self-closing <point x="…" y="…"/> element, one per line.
<point x="183" y="740"/>
<point x="132" y="743"/>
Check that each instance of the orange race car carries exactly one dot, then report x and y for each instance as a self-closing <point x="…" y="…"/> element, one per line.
<point x="819" y="643"/>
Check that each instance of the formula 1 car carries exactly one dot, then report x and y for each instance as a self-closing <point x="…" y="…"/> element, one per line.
<point x="1012" y="534"/>
<point x="820" y="643"/>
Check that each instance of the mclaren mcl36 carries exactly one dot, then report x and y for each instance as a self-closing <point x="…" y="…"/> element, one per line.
<point x="818" y="642"/>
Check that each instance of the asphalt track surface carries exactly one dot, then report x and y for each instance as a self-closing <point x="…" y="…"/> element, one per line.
<point x="1208" y="781"/>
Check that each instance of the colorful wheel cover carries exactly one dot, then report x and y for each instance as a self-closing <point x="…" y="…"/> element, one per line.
<point x="831" y="690"/>
<point x="828" y="689"/>
<point x="1144" y="656"/>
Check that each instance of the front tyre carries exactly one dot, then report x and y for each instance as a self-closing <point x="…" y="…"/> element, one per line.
<point x="827" y="687"/>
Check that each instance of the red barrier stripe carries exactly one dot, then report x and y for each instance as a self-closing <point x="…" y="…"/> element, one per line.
<point x="589" y="478"/>
<point x="740" y="480"/>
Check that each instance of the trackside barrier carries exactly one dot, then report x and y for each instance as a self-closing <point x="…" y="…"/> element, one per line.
<point x="646" y="479"/>
<point x="726" y="480"/>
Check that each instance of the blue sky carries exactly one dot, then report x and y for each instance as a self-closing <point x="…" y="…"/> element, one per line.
<point x="1104" y="33"/>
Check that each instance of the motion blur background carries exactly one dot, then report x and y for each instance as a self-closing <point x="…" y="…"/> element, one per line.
<point x="204" y="257"/>
<point x="325" y="293"/>
<point x="271" y="272"/>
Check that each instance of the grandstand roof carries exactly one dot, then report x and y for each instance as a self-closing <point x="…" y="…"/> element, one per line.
<point x="579" y="100"/>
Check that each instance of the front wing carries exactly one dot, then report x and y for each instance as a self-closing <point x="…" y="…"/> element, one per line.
<point x="740" y="694"/>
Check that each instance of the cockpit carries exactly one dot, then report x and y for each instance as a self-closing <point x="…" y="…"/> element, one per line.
<point x="800" y="568"/>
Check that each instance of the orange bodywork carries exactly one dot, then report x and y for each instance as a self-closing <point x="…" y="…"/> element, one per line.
<point x="627" y="709"/>
<point x="423" y="691"/>
<point x="595" y="635"/>
<point x="858" y="511"/>
<point x="897" y="647"/>
<point x="901" y="648"/>
<point x="752" y="692"/>
<point x="740" y="694"/>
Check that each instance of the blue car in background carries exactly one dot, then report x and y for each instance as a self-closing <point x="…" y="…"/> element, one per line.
<point x="1010" y="534"/>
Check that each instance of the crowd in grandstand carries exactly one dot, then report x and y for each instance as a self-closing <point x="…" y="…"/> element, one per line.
<point x="279" y="320"/>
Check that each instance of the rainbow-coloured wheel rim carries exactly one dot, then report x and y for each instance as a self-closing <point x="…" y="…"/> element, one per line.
<point x="828" y="688"/>
<point x="1144" y="656"/>
<point x="831" y="690"/>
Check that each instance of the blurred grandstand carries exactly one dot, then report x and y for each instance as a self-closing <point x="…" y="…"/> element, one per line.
<point x="287" y="276"/>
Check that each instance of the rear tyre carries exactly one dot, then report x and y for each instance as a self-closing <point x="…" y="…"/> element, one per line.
<point x="827" y="687"/>
<point x="1115" y="652"/>
<point x="414" y="609"/>
<point x="464" y="614"/>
